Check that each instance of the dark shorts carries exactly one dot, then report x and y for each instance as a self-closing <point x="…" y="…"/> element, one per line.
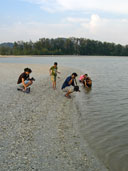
<point x="89" y="85"/>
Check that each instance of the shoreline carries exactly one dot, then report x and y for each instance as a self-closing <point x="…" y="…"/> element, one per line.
<point x="52" y="56"/>
<point x="40" y="130"/>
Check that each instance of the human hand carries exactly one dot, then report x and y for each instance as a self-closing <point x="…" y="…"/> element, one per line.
<point x="25" y="88"/>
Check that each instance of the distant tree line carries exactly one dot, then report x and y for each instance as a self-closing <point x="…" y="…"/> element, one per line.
<point x="64" y="46"/>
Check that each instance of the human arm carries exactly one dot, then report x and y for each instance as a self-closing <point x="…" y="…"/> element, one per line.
<point x="88" y="83"/>
<point x="71" y="82"/>
<point x="85" y="84"/>
<point x="82" y="80"/>
<point x="24" y="83"/>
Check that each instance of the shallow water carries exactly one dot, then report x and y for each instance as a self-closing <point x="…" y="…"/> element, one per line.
<point x="103" y="110"/>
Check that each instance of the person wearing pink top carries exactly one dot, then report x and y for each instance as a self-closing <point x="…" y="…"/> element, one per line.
<point x="83" y="77"/>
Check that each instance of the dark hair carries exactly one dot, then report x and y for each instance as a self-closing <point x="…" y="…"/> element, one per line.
<point x="88" y="78"/>
<point x="86" y="74"/>
<point x="27" y="70"/>
<point x="75" y="74"/>
<point x="55" y="63"/>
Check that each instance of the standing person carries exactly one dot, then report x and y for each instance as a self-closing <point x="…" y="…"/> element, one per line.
<point x="24" y="79"/>
<point x="68" y="85"/>
<point x="53" y="73"/>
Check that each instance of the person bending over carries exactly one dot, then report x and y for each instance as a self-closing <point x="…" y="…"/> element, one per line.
<point x="88" y="82"/>
<point x="24" y="79"/>
<point x="68" y="85"/>
<point x="53" y="73"/>
<point x="82" y="78"/>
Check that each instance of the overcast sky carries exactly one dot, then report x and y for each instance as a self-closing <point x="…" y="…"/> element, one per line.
<point x="103" y="20"/>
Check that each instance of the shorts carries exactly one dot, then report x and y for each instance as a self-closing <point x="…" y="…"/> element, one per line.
<point x="68" y="89"/>
<point x="53" y="78"/>
<point x="89" y="85"/>
<point x="26" y="82"/>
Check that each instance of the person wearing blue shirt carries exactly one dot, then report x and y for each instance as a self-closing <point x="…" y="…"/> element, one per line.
<point x="68" y="85"/>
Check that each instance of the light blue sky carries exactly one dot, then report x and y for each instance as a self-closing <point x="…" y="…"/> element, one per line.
<point x="104" y="20"/>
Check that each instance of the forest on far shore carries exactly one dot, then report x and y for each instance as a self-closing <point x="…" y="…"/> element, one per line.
<point x="64" y="46"/>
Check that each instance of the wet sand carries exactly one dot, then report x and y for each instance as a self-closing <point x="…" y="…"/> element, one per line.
<point x="40" y="131"/>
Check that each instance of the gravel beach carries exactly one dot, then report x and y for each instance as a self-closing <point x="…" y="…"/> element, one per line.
<point x="40" y="131"/>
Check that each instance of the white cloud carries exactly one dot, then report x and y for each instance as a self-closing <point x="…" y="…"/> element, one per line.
<point x="112" y="30"/>
<point x="107" y="5"/>
<point x="97" y="28"/>
<point x="118" y="6"/>
<point x="76" y="20"/>
<point x="94" y="27"/>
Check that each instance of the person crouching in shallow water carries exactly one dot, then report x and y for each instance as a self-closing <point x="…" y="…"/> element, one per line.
<point x="53" y="73"/>
<point x="24" y="79"/>
<point x="68" y="85"/>
<point x="88" y="82"/>
<point x="82" y="78"/>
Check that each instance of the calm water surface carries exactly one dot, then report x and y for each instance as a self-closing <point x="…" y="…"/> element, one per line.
<point x="103" y="110"/>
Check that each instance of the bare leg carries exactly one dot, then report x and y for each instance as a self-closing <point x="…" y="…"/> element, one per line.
<point x="68" y="94"/>
<point x="54" y="85"/>
<point x="29" y="83"/>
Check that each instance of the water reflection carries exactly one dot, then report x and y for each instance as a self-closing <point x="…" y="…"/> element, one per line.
<point x="87" y="89"/>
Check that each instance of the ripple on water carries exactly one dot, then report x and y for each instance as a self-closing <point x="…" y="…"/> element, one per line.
<point x="103" y="124"/>
<point x="103" y="110"/>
